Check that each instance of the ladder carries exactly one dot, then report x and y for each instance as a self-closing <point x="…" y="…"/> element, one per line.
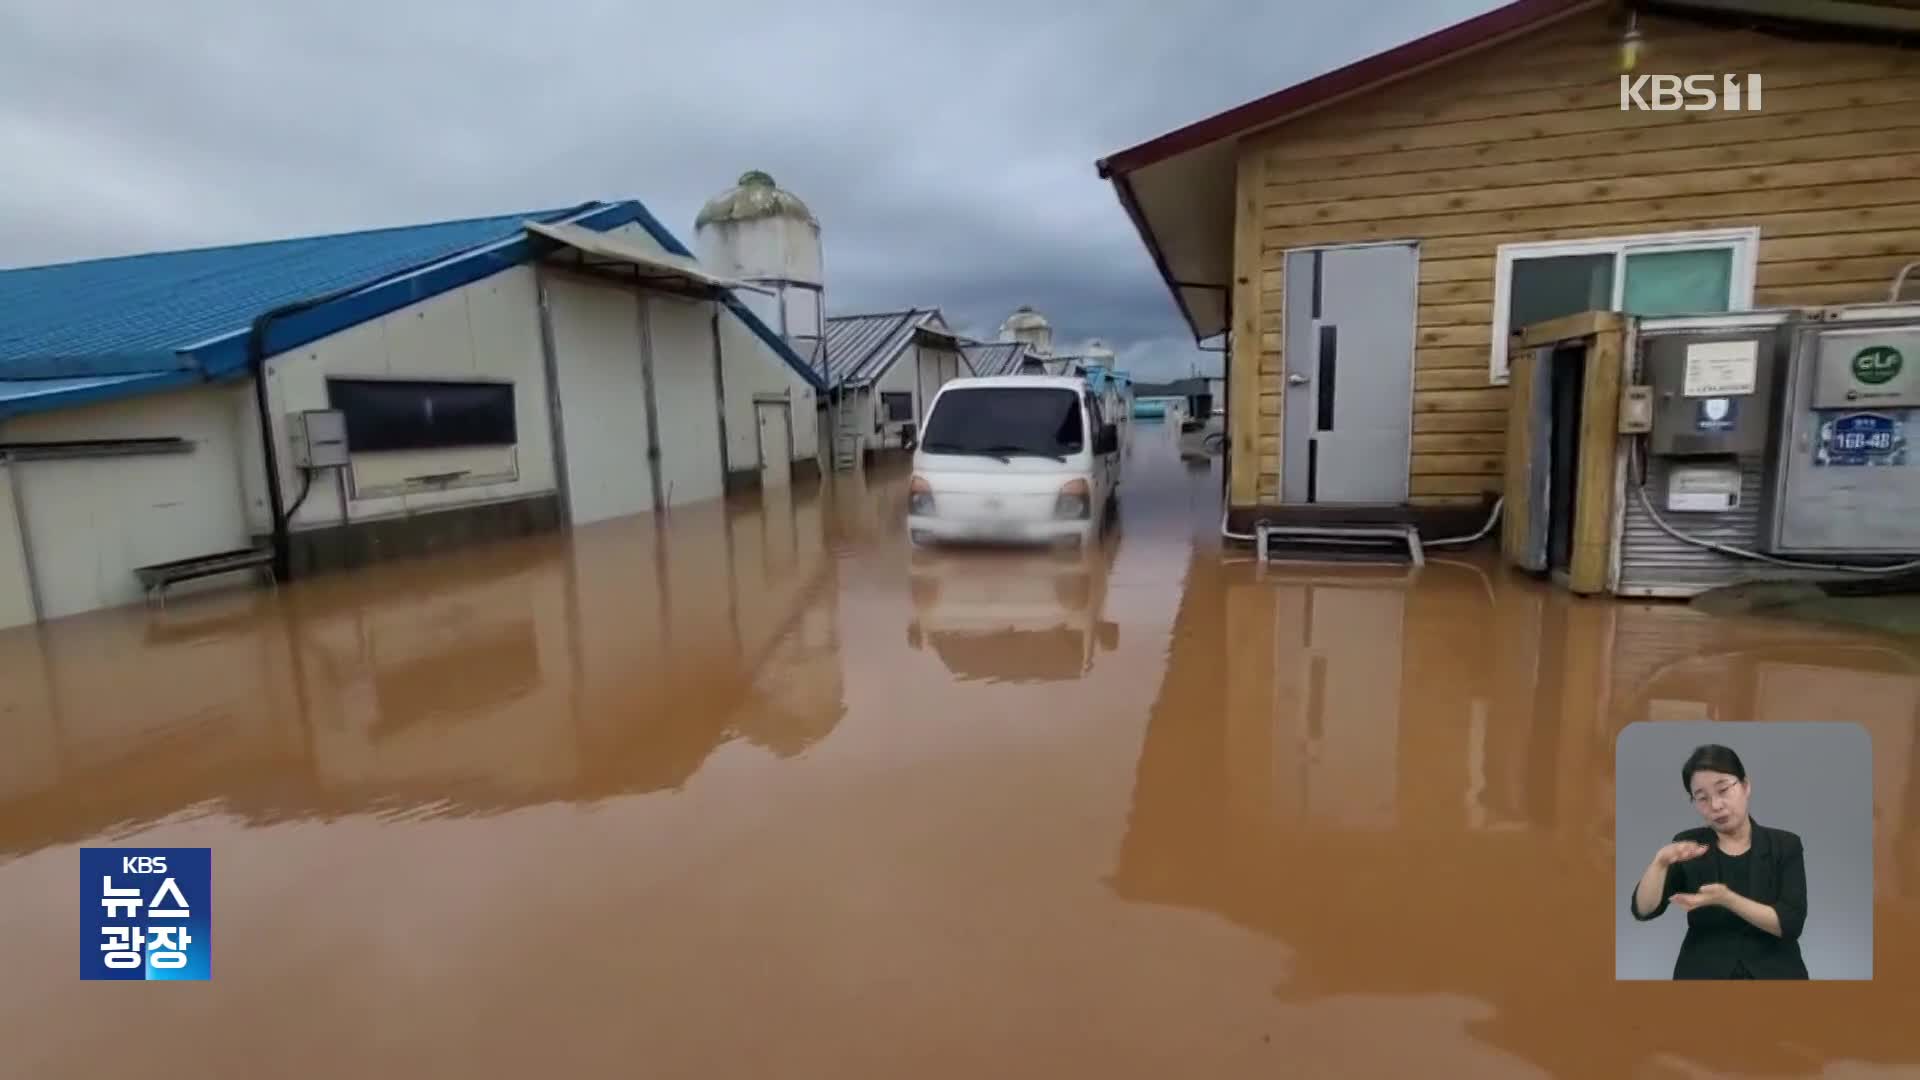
<point x="1338" y="543"/>
<point x="846" y="452"/>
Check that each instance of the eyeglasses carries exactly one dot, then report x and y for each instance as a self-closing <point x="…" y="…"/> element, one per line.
<point x="1706" y="798"/>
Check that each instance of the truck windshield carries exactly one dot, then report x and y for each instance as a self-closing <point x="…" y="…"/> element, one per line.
<point x="1003" y="421"/>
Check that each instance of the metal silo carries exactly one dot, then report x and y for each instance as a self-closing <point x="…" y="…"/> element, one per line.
<point x="758" y="233"/>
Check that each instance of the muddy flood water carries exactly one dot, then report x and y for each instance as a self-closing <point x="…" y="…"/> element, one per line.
<point x="757" y="794"/>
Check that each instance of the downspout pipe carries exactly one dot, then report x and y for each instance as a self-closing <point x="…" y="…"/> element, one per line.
<point x="257" y="368"/>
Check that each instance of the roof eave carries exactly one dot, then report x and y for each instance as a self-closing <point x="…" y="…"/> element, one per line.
<point x="1516" y="17"/>
<point x="1123" y="188"/>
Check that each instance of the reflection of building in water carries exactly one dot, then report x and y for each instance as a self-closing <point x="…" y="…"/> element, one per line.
<point x="612" y="661"/>
<point x="1409" y="785"/>
<point x="1331" y="730"/>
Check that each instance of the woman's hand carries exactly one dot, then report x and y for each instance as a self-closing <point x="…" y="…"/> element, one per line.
<point x="1678" y="852"/>
<point x="1713" y="894"/>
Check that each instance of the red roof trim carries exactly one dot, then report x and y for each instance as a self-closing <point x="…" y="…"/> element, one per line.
<point x="1380" y="67"/>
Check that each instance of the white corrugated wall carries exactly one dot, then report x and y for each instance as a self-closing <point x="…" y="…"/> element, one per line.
<point x="16" y="591"/>
<point x="753" y="370"/>
<point x="89" y="521"/>
<point x="488" y="330"/>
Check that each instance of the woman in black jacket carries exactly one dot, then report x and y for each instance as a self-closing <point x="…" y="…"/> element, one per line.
<point x="1742" y="885"/>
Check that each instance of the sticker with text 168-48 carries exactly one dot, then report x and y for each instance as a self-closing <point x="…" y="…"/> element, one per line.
<point x="146" y="913"/>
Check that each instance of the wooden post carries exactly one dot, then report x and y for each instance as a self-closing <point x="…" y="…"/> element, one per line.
<point x="1243" y="397"/>
<point x="1599" y="437"/>
<point x="1517" y="512"/>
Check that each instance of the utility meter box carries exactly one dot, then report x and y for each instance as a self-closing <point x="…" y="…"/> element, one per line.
<point x="318" y="438"/>
<point x="1712" y="391"/>
<point x="1846" y="479"/>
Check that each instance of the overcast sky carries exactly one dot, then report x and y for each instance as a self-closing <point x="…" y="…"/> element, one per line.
<point x="948" y="148"/>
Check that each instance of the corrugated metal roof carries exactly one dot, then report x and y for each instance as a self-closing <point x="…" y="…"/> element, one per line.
<point x="163" y="303"/>
<point x="861" y="348"/>
<point x="86" y="331"/>
<point x="996" y="357"/>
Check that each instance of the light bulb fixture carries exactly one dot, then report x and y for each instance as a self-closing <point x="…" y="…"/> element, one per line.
<point x="1630" y="44"/>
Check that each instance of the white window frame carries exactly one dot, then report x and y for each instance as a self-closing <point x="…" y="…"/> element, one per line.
<point x="1744" y="243"/>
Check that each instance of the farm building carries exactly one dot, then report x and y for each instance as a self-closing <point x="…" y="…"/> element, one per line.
<point x="883" y="370"/>
<point x="325" y="402"/>
<point x="1367" y="241"/>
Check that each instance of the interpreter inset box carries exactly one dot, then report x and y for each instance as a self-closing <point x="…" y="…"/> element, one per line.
<point x="1743" y="851"/>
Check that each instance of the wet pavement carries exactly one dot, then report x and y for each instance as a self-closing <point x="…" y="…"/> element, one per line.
<point x="757" y="794"/>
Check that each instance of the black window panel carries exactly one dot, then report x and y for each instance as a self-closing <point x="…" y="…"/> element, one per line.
<point x="1043" y="420"/>
<point x="1560" y="285"/>
<point x="398" y="414"/>
<point x="897" y="405"/>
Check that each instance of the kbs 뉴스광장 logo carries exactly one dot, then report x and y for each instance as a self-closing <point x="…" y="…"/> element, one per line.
<point x="146" y="913"/>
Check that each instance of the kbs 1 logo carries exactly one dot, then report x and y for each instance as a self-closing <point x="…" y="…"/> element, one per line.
<point x="146" y="913"/>
<point x="1693" y="93"/>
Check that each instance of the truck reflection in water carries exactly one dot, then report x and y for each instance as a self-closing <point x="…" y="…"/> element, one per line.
<point x="1012" y="616"/>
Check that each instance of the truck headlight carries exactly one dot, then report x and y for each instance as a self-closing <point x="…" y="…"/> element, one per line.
<point x="1074" y="502"/>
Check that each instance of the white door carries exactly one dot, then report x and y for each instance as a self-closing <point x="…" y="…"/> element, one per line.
<point x="776" y="445"/>
<point x="686" y="399"/>
<point x="1348" y="421"/>
<point x="603" y="399"/>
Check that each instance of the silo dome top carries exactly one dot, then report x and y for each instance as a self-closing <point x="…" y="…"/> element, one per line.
<point x="1025" y="318"/>
<point x="756" y="196"/>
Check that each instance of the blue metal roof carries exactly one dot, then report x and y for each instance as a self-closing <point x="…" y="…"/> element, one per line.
<point x="87" y="331"/>
<point x="162" y="304"/>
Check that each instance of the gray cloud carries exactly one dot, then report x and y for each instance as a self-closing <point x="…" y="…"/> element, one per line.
<point x="948" y="149"/>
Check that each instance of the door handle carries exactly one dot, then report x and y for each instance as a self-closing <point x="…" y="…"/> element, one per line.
<point x="1296" y="379"/>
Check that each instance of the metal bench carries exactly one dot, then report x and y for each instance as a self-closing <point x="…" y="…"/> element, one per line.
<point x="156" y="578"/>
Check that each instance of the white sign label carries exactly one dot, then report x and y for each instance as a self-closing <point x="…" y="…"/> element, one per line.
<point x="1710" y="491"/>
<point x="1722" y="368"/>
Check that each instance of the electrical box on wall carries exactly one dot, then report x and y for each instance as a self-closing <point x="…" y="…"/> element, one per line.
<point x="317" y="439"/>
<point x="1636" y="410"/>
<point x="1847" y="482"/>
<point x="1712" y="393"/>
